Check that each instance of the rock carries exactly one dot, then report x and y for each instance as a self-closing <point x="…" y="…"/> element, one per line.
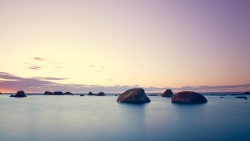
<point x="116" y="95"/>
<point x="81" y="94"/>
<point x="100" y="94"/>
<point x="68" y="93"/>
<point x="48" y="93"/>
<point x="58" y="93"/>
<point x="19" y="94"/>
<point x="0" y="93"/>
<point x="136" y="95"/>
<point x="188" y="97"/>
<point x="153" y="95"/>
<point x="221" y="97"/>
<point x="167" y="93"/>
<point x="246" y="92"/>
<point x="241" y="97"/>
<point x="90" y="93"/>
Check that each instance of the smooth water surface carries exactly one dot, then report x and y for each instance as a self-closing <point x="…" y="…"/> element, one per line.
<point x="93" y="118"/>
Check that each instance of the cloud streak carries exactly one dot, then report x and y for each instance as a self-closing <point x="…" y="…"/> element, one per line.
<point x="38" y="59"/>
<point x="51" y="78"/>
<point x="34" y="67"/>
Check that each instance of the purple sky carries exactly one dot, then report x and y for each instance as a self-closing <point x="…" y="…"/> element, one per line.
<point x="117" y="45"/>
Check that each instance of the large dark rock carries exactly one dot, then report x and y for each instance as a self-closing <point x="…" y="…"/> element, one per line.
<point x="58" y="93"/>
<point x="68" y="93"/>
<point x="241" y="97"/>
<point x="19" y="94"/>
<point x="167" y="93"/>
<point x="188" y="97"/>
<point x="136" y="95"/>
<point x="247" y="92"/>
<point x="100" y="94"/>
<point x="90" y="93"/>
<point x="0" y="93"/>
<point x="48" y="93"/>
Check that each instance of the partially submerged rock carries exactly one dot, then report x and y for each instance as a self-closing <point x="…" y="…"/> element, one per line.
<point x="246" y="92"/>
<point x="167" y="93"/>
<point x="136" y="95"/>
<point x="152" y="95"/>
<point x="48" y="93"/>
<point x="68" y="93"/>
<point x="81" y="94"/>
<point x="188" y="97"/>
<point x="58" y="93"/>
<point x="100" y="94"/>
<point x="90" y="93"/>
<point x="241" y="97"/>
<point x="20" y="93"/>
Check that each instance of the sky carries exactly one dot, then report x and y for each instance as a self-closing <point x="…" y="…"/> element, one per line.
<point x="114" y="45"/>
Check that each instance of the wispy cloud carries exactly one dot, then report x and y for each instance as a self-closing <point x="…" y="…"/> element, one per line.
<point x="52" y="78"/>
<point x="35" y="67"/>
<point x="91" y="66"/>
<point x="38" y="59"/>
<point x="4" y="75"/>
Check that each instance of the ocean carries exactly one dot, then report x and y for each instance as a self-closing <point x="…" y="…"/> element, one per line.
<point x="101" y="118"/>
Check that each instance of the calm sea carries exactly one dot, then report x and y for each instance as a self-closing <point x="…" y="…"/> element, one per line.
<point x="93" y="118"/>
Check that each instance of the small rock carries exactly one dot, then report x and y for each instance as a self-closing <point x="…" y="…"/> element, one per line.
<point x="58" y="93"/>
<point x="247" y="92"/>
<point x="68" y="93"/>
<point x="100" y="94"/>
<point x="20" y="93"/>
<point x="81" y="94"/>
<point x="167" y="93"/>
<point x="90" y="93"/>
<point x="48" y="93"/>
<point x="241" y="97"/>
<point x="152" y="95"/>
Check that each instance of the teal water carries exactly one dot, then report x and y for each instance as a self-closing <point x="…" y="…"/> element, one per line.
<point x="93" y="118"/>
